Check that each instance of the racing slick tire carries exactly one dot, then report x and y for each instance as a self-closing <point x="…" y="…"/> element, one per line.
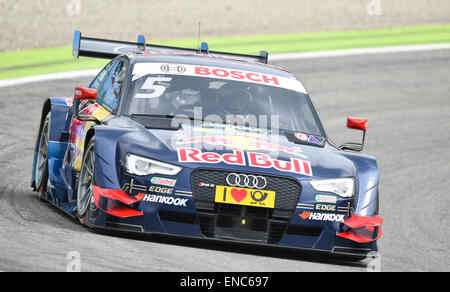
<point x="85" y="189"/>
<point x="41" y="172"/>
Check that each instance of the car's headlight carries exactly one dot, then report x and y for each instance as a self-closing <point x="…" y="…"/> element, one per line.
<point x="343" y="187"/>
<point x="144" y="166"/>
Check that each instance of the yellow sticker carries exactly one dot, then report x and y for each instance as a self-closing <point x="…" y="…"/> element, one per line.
<point x="246" y="197"/>
<point x="101" y="113"/>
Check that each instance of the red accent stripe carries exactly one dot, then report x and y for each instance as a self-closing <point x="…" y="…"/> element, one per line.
<point x="362" y="235"/>
<point x="118" y="195"/>
<point x="369" y="228"/>
<point x="357" y="221"/>
<point x="123" y="212"/>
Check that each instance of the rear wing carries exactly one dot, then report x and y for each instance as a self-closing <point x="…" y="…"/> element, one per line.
<point x="108" y="49"/>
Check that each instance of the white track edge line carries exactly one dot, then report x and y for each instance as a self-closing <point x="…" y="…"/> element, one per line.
<point x="275" y="57"/>
<point x="49" y="77"/>
<point x="354" y="52"/>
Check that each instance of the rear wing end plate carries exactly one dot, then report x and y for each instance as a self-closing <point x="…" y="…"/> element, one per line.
<point x="109" y="49"/>
<point x="99" y="48"/>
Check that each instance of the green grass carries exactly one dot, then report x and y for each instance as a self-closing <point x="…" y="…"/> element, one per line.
<point x="51" y="60"/>
<point x="308" y="42"/>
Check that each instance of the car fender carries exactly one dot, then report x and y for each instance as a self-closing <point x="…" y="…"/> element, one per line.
<point x="107" y="156"/>
<point x="366" y="199"/>
<point x="61" y="114"/>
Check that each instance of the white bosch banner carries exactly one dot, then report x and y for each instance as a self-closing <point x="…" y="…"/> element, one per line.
<point x="142" y="69"/>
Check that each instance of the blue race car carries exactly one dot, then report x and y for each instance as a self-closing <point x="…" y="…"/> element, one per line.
<point x="204" y="144"/>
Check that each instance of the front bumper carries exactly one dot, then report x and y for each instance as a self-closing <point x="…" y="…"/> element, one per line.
<point x="184" y="210"/>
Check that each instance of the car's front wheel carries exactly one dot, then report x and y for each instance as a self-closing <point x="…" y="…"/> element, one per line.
<point x="41" y="172"/>
<point x="85" y="190"/>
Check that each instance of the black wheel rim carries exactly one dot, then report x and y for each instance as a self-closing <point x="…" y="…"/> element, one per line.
<point x="42" y="156"/>
<point x="85" y="184"/>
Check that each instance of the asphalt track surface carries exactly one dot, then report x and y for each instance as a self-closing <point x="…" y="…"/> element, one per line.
<point x="406" y="98"/>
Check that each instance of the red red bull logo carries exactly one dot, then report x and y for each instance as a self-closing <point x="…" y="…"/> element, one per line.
<point x="252" y="159"/>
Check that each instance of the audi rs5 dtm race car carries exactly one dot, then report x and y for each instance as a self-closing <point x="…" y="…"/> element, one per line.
<point x="204" y="144"/>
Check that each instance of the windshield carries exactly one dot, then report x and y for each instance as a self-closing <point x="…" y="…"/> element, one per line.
<point x="223" y="100"/>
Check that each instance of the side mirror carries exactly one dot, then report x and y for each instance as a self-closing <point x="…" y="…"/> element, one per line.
<point x="82" y="94"/>
<point x="358" y="124"/>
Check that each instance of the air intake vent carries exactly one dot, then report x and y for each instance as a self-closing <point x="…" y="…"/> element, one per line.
<point x="243" y="223"/>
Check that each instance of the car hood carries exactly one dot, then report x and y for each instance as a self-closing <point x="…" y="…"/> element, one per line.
<point x="251" y="151"/>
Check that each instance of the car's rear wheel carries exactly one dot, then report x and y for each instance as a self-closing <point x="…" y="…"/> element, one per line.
<point x="85" y="190"/>
<point x="41" y="173"/>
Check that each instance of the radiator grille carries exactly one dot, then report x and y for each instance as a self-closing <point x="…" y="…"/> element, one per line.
<point x="224" y="221"/>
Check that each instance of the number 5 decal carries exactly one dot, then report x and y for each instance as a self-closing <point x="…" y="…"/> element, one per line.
<point x="149" y="84"/>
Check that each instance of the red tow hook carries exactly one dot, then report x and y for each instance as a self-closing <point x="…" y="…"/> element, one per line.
<point x="362" y="229"/>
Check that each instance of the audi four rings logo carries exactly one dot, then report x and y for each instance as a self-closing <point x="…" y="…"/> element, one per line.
<point x="246" y="181"/>
<point x="173" y="68"/>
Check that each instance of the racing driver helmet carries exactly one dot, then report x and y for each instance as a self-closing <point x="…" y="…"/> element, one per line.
<point x="234" y="100"/>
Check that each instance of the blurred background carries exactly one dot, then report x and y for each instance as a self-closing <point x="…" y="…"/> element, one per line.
<point x="36" y="36"/>
<point x="26" y="24"/>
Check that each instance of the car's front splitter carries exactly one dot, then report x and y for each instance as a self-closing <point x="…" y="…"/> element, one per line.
<point x="154" y="217"/>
